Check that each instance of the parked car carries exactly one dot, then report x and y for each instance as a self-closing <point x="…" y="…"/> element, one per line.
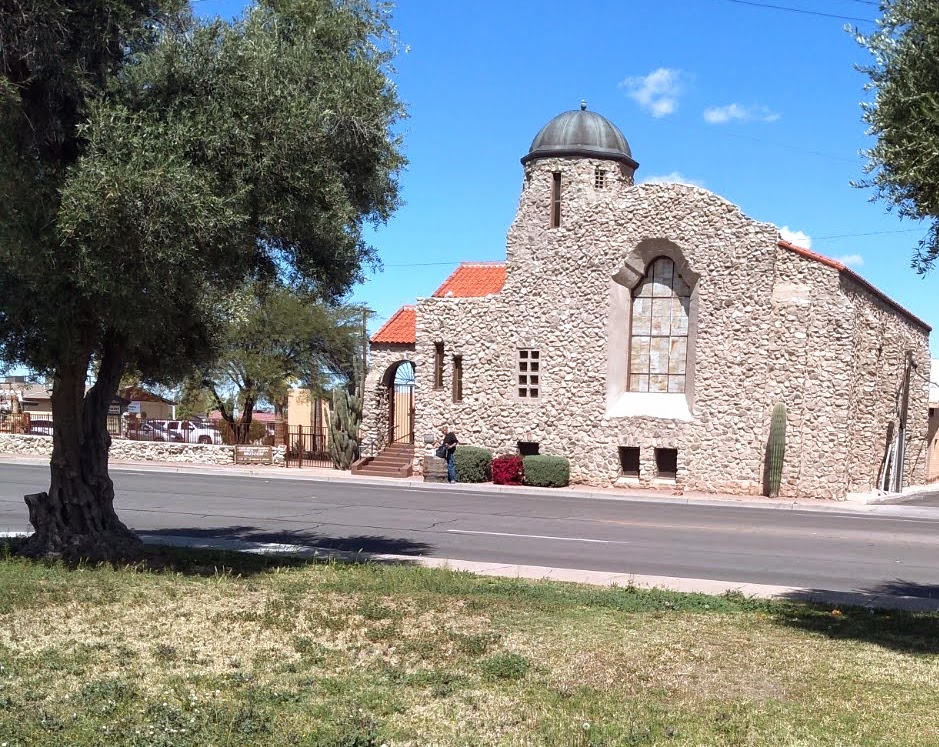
<point x="151" y="432"/>
<point x="40" y="427"/>
<point x="193" y="432"/>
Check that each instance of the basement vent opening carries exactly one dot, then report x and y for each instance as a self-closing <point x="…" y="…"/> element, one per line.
<point x="528" y="448"/>
<point x="666" y="463"/>
<point x="629" y="461"/>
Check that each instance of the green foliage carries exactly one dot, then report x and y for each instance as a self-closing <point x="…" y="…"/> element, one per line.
<point x="505" y="666"/>
<point x="547" y="471"/>
<point x="472" y="464"/>
<point x="344" y="426"/>
<point x="775" y="451"/>
<point x="276" y="337"/>
<point x="904" y="115"/>
<point x="152" y="163"/>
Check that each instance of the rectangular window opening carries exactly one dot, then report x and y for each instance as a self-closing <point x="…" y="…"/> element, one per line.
<point x="599" y="178"/>
<point x="438" y="365"/>
<point x="528" y="374"/>
<point x="457" y="378"/>
<point x="556" y="200"/>
<point x="528" y="448"/>
<point x="629" y="460"/>
<point x="666" y="463"/>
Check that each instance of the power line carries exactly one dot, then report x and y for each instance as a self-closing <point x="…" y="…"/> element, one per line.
<point x="869" y="233"/>
<point x="800" y="10"/>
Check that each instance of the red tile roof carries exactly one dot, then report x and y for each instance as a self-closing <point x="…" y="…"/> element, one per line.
<point x="845" y="270"/>
<point x="401" y="329"/>
<point x="473" y="280"/>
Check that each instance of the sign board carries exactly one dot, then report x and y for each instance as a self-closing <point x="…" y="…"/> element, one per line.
<point x="114" y="408"/>
<point x="253" y="454"/>
<point x="134" y="407"/>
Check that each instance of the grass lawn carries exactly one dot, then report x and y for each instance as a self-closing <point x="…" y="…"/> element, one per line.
<point x="221" y="650"/>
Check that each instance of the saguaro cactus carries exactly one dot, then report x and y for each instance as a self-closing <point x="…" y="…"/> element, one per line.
<point x="775" y="451"/>
<point x="344" y="428"/>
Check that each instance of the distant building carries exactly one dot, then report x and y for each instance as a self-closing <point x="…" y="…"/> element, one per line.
<point x="646" y="331"/>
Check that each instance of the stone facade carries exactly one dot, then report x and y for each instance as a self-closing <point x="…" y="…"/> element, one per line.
<point x="136" y="451"/>
<point x="768" y="323"/>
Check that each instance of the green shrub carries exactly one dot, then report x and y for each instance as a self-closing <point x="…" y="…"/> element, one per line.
<point x="472" y="464"/>
<point x="547" y="471"/>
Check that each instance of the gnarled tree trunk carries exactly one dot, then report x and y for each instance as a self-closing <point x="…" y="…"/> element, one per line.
<point x="76" y="517"/>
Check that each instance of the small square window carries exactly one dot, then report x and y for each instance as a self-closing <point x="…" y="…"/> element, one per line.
<point x="599" y="178"/>
<point x="666" y="463"/>
<point x="629" y="460"/>
<point x="528" y="377"/>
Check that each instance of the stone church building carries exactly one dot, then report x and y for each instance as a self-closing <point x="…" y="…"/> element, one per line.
<point x="646" y="331"/>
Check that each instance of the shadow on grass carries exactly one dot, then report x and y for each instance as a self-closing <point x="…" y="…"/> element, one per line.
<point x="246" y="551"/>
<point x="899" y="615"/>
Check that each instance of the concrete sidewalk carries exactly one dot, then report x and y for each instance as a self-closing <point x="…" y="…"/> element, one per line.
<point x="324" y="474"/>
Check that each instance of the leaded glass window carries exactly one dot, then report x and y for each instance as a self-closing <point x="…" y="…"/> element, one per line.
<point x="658" y="350"/>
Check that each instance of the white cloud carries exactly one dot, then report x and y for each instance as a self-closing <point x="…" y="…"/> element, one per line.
<point x="674" y="178"/>
<point x="657" y="92"/>
<point x="799" y="238"/>
<point x="738" y="113"/>
<point x="851" y="260"/>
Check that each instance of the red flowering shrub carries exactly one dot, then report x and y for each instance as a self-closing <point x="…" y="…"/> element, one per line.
<point x="507" y="470"/>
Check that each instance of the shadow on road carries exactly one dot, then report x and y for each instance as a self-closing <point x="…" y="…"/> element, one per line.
<point x="365" y="544"/>
<point x="865" y="615"/>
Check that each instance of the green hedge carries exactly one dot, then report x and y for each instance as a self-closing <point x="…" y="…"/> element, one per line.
<point x="547" y="471"/>
<point x="473" y="464"/>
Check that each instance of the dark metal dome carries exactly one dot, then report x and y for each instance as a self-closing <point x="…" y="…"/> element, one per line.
<point x="582" y="134"/>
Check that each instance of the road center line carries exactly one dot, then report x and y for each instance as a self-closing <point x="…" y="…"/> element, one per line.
<point x="538" y="536"/>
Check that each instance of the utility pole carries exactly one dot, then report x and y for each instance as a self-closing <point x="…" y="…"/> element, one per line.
<point x="364" y="349"/>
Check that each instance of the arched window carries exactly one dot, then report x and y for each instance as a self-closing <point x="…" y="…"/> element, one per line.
<point x="658" y="350"/>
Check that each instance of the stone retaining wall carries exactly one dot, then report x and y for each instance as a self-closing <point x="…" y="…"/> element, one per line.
<point x="136" y="451"/>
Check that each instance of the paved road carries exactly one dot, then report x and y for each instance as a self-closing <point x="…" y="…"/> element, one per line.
<point x="887" y="550"/>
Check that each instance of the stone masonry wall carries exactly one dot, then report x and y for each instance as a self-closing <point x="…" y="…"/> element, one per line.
<point x="768" y="326"/>
<point x="136" y="451"/>
<point x="375" y="407"/>
<point x="882" y="339"/>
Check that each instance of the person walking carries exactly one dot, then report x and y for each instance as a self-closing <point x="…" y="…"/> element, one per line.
<point x="450" y="442"/>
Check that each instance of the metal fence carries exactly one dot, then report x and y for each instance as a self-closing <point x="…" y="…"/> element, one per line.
<point x="306" y="447"/>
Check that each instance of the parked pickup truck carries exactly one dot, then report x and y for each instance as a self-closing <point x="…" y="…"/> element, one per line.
<point x="193" y="432"/>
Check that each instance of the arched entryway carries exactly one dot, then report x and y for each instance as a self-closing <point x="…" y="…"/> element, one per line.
<point x="399" y="378"/>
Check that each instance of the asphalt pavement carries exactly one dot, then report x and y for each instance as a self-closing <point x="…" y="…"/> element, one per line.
<point x="884" y="550"/>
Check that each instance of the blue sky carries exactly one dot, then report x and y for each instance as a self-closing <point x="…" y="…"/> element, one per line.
<point x="759" y="105"/>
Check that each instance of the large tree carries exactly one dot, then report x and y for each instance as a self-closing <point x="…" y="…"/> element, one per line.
<point x="150" y="165"/>
<point x="904" y="115"/>
<point x="277" y="337"/>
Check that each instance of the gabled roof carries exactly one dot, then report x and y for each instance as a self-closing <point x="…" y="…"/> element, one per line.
<point x="473" y="280"/>
<point x="401" y="329"/>
<point x="847" y="271"/>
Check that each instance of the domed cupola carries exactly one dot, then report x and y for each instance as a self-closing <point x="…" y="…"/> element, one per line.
<point x="581" y="134"/>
